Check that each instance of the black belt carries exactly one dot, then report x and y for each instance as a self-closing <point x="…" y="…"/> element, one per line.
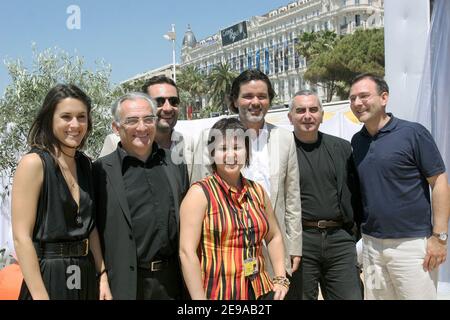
<point x="322" y="224"/>
<point x="62" y="249"/>
<point x="155" y="265"/>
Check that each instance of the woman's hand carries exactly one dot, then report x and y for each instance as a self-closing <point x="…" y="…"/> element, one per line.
<point x="280" y="291"/>
<point x="105" y="292"/>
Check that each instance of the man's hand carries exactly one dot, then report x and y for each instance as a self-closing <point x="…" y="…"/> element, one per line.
<point x="436" y="254"/>
<point x="295" y="262"/>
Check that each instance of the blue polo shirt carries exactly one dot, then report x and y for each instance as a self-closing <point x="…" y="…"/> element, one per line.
<point x="393" y="166"/>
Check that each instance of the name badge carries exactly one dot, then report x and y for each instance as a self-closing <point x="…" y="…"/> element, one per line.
<point x="250" y="267"/>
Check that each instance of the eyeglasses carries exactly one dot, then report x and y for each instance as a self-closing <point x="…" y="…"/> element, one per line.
<point x="364" y="97"/>
<point x="174" y="101"/>
<point x="134" y="121"/>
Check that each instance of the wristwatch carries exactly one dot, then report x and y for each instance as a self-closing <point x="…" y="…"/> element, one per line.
<point x="443" y="236"/>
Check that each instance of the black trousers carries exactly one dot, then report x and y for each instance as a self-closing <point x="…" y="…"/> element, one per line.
<point x="329" y="259"/>
<point x="296" y="288"/>
<point x="165" y="284"/>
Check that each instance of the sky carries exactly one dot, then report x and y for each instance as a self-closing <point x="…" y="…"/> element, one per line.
<point x="128" y="35"/>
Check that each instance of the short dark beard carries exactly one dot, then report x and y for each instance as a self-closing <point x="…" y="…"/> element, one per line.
<point x="163" y="129"/>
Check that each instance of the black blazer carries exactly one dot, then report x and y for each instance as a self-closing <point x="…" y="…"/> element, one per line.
<point x="340" y="151"/>
<point x="114" y="219"/>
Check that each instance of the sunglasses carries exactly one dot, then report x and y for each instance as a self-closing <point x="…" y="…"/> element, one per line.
<point x="173" y="101"/>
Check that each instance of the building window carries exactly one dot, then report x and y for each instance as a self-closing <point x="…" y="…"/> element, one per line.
<point x="357" y="2"/>
<point x="344" y="23"/>
<point x="357" y="20"/>
<point x="296" y="55"/>
<point x="286" y="56"/>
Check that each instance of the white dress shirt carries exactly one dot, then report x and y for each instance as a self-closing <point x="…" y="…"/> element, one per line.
<point x="259" y="169"/>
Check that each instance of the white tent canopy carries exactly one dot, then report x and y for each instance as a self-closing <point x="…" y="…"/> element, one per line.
<point x="418" y="73"/>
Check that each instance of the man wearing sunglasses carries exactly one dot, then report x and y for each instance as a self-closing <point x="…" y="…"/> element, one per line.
<point x="165" y="92"/>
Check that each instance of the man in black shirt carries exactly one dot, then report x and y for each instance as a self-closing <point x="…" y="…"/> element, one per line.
<point x="330" y="201"/>
<point x="138" y="193"/>
<point x="165" y="93"/>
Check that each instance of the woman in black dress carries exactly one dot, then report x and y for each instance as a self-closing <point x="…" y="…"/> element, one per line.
<point x="54" y="231"/>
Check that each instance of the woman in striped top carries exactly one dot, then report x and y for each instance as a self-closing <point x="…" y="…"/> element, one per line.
<point x="224" y="219"/>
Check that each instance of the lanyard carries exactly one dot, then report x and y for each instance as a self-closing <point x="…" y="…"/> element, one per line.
<point x="247" y="228"/>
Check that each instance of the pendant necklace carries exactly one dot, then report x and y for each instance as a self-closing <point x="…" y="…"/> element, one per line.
<point x="78" y="219"/>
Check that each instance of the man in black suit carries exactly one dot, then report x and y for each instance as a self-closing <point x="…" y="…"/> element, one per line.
<point x="138" y="193"/>
<point x="330" y="205"/>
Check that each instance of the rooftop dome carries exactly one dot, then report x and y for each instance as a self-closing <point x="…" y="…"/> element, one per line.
<point x="189" y="38"/>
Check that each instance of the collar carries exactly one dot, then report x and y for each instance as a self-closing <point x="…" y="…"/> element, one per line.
<point x="388" y="127"/>
<point x="262" y="137"/>
<point x="264" y="130"/>
<point x="313" y="145"/>
<point x="391" y="124"/>
<point x="176" y="136"/>
<point x="124" y="157"/>
<point x="233" y="191"/>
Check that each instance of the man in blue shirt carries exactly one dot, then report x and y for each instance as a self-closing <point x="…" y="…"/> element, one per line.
<point x="404" y="241"/>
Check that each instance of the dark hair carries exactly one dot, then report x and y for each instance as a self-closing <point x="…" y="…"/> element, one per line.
<point x="41" y="132"/>
<point x="158" y="80"/>
<point x="382" y="86"/>
<point x="245" y="77"/>
<point x="222" y="126"/>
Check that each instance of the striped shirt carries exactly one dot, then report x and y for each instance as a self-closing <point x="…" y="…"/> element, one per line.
<point x="233" y="230"/>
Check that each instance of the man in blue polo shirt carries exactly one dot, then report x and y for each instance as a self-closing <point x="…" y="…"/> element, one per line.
<point x="397" y="163"/>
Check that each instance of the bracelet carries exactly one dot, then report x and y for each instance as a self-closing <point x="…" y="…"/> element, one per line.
<point x="101" y="273"/>
<point x="282" y="280"/>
